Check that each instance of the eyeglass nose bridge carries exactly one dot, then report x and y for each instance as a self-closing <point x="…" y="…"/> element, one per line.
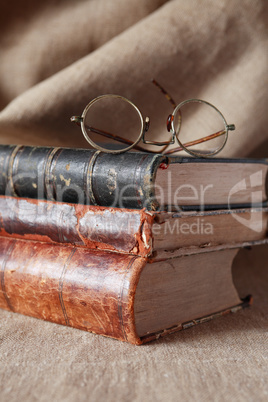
<point x="146" y="128"/>
<point x="146" y="125"/>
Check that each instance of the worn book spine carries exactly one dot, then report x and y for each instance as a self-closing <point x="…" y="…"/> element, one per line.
<point x="114" y="229"/>
<point x="77" y="287"/>
<point x="87" y="289"/>
<point x="90" y="177"/>
<point x="79" y="176"/>
<point x="138" y="232"/>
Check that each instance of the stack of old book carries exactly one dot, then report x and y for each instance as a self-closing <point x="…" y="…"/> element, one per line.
<point x="132" y="246"/>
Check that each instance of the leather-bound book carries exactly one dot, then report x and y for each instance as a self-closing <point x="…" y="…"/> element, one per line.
<point x="160" y="263"/>
<point x="156" y="234"/>
<point x="120" y="295"/>
<point x="131" y="180"/>
<point x="133" y="275"/>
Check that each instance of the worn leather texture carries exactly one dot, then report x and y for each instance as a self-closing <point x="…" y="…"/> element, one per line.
<point x="127" y="180"/>
<point x="79" y="175"/>
<point x="55" y="56"/>
<point x="157" y="235"/>
<point x="93" y="227"/>
<point x="74" y="286"/>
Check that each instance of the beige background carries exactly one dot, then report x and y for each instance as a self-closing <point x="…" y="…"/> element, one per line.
<point x="55" y="56"/>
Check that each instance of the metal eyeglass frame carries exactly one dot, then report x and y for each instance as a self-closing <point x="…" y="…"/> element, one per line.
<point x="145" y="123"/>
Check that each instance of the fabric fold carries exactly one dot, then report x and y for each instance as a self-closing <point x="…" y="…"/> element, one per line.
<point x="213" y="51"/>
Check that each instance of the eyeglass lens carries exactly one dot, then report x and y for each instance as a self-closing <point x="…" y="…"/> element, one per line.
<point x="112" y="123"/>
<point x="199" y="121"/>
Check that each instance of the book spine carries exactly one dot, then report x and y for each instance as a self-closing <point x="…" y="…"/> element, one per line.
<point x="81" y="288"/>
<point x="120" y="230"/>
<point x="79" y="176"/>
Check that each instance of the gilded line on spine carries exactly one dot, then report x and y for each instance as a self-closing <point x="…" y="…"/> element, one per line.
<point x="48" y="176"/>
<point x="61" y="281"/>
<point x="2" y="274"/>
<point x="88" y="180"/>
<point x="10" y="183"/>
<point x="121" y="296"/>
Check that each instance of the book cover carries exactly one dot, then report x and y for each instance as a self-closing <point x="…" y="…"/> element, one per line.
<point x="119" y="295"/>
<point x="156" y="234"/>
<point x="130" y="180"/>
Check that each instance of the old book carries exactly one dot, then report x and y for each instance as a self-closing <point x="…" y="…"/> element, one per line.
<point x="131" y="180"/>
<point x="120" y="295"/>
<point x="139" y="232"/>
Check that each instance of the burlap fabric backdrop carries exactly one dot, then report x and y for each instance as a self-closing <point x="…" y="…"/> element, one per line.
<point x="55" y="56"/>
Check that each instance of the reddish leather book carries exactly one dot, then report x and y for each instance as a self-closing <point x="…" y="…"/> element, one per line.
<point x="159" y="235"/>
<point x="120" y="295"/>
<point x="134" y="275"/>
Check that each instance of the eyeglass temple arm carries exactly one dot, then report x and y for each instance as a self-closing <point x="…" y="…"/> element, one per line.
<point x="168" y="97"/>
<point x="78" y="120"/>
<point x="159" y="144"/>
<point x="173" y="103"/>
<point x="230" y="127"/>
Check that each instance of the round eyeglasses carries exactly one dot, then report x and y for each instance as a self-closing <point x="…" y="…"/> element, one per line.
<point x="109" y="121"/>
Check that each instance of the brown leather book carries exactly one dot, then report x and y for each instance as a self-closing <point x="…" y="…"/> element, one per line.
<point x="133" y="275"/>
<point x="120" y="295"/>
<point x="159" y="235"/>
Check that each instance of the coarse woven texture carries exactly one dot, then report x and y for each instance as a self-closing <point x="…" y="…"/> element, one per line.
<point x="55" y="56"/>
<point x="222" y="360"/>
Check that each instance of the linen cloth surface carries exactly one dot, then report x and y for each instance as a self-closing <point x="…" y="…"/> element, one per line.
<point x="55" y="56"/>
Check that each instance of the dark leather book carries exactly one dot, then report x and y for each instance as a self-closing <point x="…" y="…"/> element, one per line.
<point x="155" y="234"/>
<point x="124" y="296"/>
<point x="131" y="180"/>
